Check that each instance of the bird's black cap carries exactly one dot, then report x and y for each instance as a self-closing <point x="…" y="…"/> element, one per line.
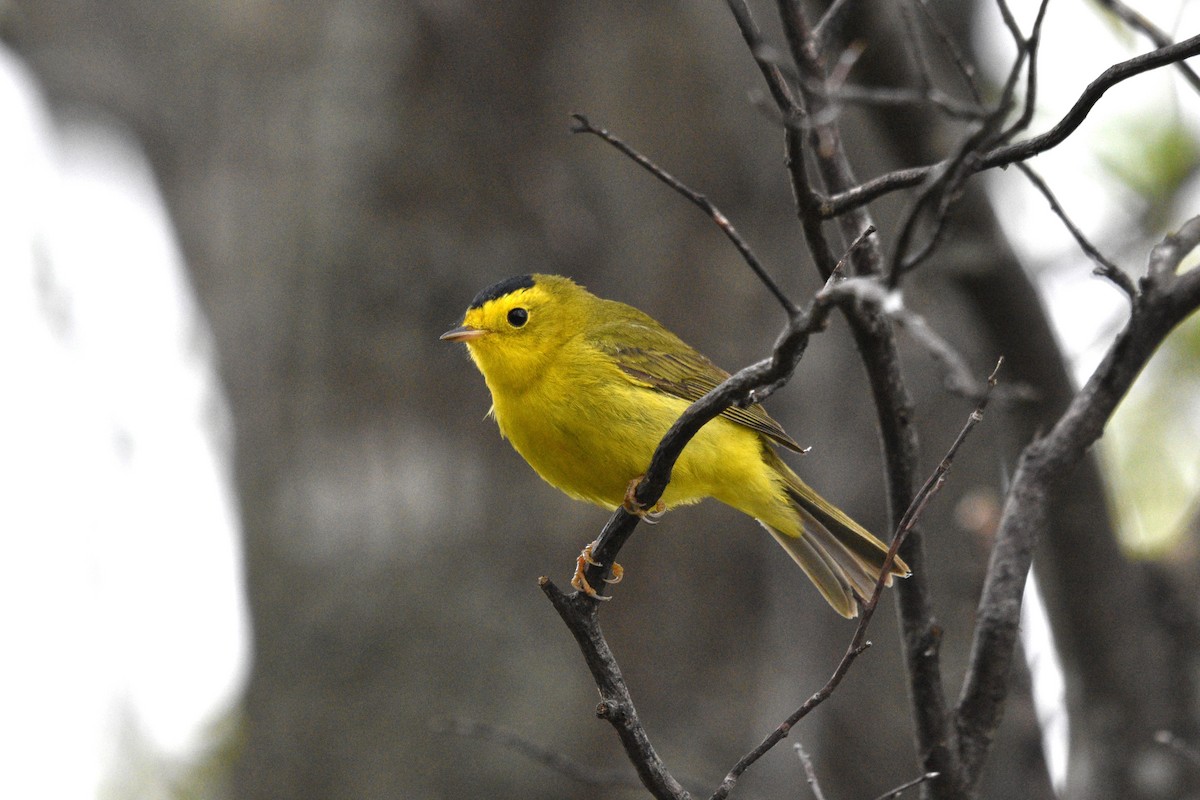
<point x="506" y="286"/>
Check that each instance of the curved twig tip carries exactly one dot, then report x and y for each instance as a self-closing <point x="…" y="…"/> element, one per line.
<point x="580" y="124"/>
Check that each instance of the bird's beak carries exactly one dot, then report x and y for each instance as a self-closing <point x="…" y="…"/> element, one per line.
<point x="463" y="333"/>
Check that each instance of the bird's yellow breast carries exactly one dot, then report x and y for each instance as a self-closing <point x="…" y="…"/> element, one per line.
<point x="588" y="430"/>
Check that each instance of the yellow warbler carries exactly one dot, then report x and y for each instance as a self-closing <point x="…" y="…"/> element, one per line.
<point x="585" y="388"/>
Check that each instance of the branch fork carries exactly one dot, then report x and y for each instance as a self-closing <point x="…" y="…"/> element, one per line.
<point x="952" y="744"/>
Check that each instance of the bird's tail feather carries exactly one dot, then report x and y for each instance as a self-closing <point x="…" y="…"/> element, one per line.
<point x="821" y="568"/>
<point x="839" y="556"/>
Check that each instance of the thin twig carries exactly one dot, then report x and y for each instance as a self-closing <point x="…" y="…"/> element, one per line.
<point x="555" y="760"/>
<point x="582" y="125"/>
<point x="940" y="194"/>
<point x="766" y="58"/>
<point x="1030" y="49"/>
<point x="858" y="643"/>
<point x="888" y="97"/>
<point x="965" y="68"/>
<point x="1104" y="267"/>
<point x="892" y="794"/>
<point x="1135" y="20"/>
<point x="1010" y="22"/>
<point x="916" y="47"/>
<point x="810" y="772"/>
<point x="795" y="126"/>
<point x="829" y="24"/>
<point x="846" y="200"/>
<point x="934" y="200"/>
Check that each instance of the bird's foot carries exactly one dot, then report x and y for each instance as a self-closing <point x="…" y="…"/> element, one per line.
<point x="580" y="583"/>
<point x="649" y="515"/>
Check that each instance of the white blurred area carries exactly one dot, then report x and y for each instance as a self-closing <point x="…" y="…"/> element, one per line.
<point x="1079" y="42"/>
<point x="125" y="632"/>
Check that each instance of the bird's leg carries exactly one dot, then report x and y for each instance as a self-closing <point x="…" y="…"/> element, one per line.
<point x="580" y="583"/>
<point x="585" y="559"/>
<point x="631" y="504"/>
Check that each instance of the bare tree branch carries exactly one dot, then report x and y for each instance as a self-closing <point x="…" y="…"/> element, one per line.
<point x="875" y="339"/>
<point x="858" y="643"/>
<point x="1104" y="267"/>
<point x="616" y="706"/>
<point x="810" y="772"/>
<point x="1029" y="49"/>
<point x="1151" y="31"/>
<point x="965" y="68"/>
<point x="1163" y="301"/>
<point x="829" y="23"/>
<point x="892" y="794"/>
<point x="936" y="198"/>
<point x="1010" y="22"/>
<point x="548" y="757"/>
<point x="854" y="197"/>
<point x="582" y="125"/>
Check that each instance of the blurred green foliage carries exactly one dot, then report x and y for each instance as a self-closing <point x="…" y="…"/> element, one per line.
<point x="1152" y="155"/>
<point x="1152" y="447"/>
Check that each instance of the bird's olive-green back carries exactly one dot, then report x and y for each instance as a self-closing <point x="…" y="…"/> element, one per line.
<point x="651" y="356"/>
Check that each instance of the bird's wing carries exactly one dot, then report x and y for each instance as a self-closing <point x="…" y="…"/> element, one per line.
<point x="662" y="361"/>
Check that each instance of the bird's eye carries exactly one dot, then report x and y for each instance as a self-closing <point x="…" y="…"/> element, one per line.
<point x="518" y="317"/>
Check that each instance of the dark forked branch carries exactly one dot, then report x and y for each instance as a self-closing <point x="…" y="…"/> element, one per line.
<point x="931" y="207"/>
<point x="952" y="745"/>
<point x="858" y="642"/>
<point x="1152" y="32"/>
<point x="843" y="201"/>
<point x="1163" y="301"/>
<point x="875" y="339"/>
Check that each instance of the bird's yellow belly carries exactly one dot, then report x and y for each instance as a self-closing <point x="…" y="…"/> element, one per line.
<point x="592" y="450"/>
